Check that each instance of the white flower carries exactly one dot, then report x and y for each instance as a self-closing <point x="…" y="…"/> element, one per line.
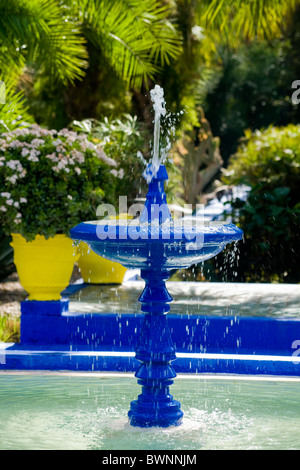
<point x="20" y="132"/>
<point x="78" y="170"/>
<point x="12" y="179"/>
<point x="15" y="144"/>
<point x="24" y="152"/>
<point x="118" y="174"/>
<point x="16" y="204"/>
<point x="14" y="165"/>
<point x="52" y="157"/>
<point x="78" y="156"/>
<point x="37" y="142"/>
<point x="34" y="155"/>
<point x="102" y="155"/>
<point x="9" y="202"/>
<point x="18" y="219"/>
<point x="69" y="197"/>
<point x="23" y="200"/>
<point x="6" y="195"/>
<point x="22" y="174"/>
<point x="62" y="164"/>
<point x="71" y="136"/>
<point x="86" y="144"/>
<point x="3" y="209"/>
<point x="114" y="173"/>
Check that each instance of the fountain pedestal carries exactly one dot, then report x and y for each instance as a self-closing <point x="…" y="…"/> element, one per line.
<point x="155" y="406"/>
<point x="156" y="244"/>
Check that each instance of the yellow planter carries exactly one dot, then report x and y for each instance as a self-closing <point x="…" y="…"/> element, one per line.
<point x="44" y="266"/>
<point x="95" y="269"/>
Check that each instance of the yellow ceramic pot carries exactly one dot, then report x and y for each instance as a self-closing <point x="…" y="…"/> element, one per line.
<point x="44" y="266"/>
<point x="95" y="269"/>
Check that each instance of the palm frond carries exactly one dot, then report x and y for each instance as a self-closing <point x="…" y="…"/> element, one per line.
<point x="14" y="110"/>
<point x="37" y="32"/>
<point x="135" y="37"/>
<point x="245" y="18"/>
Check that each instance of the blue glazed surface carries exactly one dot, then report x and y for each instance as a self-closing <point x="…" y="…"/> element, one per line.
<point x="156" y="244"/>
<point x="155" y="240"/>
<point x="169" y="253"/>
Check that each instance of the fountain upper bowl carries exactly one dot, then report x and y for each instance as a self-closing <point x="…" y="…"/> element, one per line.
<point x="172" y="245"/>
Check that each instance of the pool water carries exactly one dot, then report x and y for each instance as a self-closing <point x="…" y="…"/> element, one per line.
<point x="89" y="412"/>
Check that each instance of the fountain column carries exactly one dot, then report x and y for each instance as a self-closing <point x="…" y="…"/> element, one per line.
<point x="155" y="406"/>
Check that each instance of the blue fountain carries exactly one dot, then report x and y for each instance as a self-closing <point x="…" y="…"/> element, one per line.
<point x="156" y="244"/>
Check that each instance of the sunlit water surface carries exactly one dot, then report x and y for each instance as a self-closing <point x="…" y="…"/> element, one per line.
<point x="40" y="411"/>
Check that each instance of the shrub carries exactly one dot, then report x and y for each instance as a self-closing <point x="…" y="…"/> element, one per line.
<point x="269" y="161"/>
<point x="50" y="180"/>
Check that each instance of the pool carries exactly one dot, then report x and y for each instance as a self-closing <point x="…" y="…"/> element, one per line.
<point x="88" y="411"/>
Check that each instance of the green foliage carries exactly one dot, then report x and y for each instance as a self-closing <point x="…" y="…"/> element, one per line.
<point x="6" y="255"/>
<point x="270" y="156"/>
<point x="127" y="43"/>
<point x="135" y="37"/>
<point x="50" y="180"/>
<point x="251" y="90"/>
<point x="9" y="329"/>
<point x="43" y="35"/>
<point x="269" y="161"/>
<point x="216" y="37"/>
<point x="248" y="19"/>
<point x="13" y="113"/>
<point x="127" y="141"/>
<point x="122" y="140"/>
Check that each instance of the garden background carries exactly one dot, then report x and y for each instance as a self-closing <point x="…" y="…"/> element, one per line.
<point x="229" y="71"/>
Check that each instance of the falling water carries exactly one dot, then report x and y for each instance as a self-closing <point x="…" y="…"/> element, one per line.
<point x="157" y="97"/>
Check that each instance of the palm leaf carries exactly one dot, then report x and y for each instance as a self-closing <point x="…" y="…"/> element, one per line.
<point x="38" y="32"/>
<point x="14" y="111"/>
<point x="135" y="37"/>
<point x="245" y="18"/>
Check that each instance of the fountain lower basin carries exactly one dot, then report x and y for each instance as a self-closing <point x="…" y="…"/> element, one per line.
<point x="156" y="244"/>
<point x="87" y="411"/>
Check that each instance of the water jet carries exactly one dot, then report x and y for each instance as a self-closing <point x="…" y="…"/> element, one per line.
<point x="156" y="244"/>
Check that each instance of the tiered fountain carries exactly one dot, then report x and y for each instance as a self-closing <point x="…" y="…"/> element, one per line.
<point x="156" y="244"/>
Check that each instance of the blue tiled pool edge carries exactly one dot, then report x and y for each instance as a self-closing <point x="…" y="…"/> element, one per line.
<point x="59" y="359"/>
<point x="57" y="339"/>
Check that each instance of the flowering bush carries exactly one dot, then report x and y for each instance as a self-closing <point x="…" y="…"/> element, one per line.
<point x="268" y="161"/>
<point x="51" y="180"/>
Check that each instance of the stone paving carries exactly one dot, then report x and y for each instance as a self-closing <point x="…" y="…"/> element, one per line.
<point x="200" y="298"/>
